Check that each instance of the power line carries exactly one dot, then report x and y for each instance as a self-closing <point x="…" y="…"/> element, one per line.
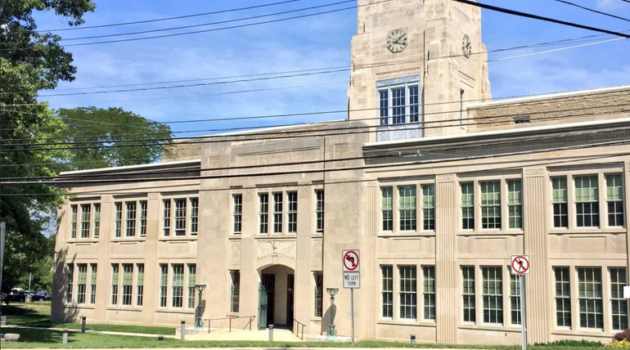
<point x="541" y="18"/>
<point x="592" y="10"/>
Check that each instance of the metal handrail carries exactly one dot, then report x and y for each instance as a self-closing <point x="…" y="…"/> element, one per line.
<point x="296" y="328"/>
<point x="251" y="321"/>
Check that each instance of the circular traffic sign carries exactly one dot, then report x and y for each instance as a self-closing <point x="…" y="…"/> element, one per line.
<point x="520" y="264"/>
<point x="351" y="260"/>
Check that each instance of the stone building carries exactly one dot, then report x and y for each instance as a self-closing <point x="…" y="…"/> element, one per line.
<point x="435" y="184"/>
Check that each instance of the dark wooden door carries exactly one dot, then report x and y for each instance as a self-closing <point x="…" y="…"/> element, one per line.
<point x="269" y="282"/>
<point x="290" y="285"/>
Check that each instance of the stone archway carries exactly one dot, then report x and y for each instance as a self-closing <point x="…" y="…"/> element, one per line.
<point x="275" y="297"/>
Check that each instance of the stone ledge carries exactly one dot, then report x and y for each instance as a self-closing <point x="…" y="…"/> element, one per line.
<point x="324" y="338"/>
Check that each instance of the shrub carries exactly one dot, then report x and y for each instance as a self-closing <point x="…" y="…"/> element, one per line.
<point x="573" y="344"/>
<point x="625" y="335"/>
<point x="624" y="343"/>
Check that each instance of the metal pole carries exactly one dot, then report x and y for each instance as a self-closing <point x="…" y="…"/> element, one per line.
<point x="523" y="327"/>
<point x="30" y="277"/>
<point x="182" y="332"/>
<point x="3" y="232"/>
<point x="352" y="311"/>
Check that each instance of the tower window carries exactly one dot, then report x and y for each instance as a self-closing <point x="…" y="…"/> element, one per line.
<point x="399" y="101"/>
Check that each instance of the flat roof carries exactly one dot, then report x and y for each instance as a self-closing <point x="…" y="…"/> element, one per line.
<point x="133" y="167"/>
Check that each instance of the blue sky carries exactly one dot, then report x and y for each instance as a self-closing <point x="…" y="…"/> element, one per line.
<point x="307" y="43"/>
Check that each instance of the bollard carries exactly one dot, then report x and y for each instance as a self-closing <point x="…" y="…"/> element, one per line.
<point x="65" y="336"/>
<point x="413" y="339"/>
<point x="160" y="337"/>
<point x="270" y="332"/>
<point x="83" y="324"/>
<point x="182" y="334"/>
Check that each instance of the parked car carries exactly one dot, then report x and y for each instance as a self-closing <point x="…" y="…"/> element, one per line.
<point x="16" y="296"/>
<point x="41" y="296"/>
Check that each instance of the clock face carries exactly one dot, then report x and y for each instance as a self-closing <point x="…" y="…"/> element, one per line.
<point x="466" y="46"/>
<point x="397" y="40"/>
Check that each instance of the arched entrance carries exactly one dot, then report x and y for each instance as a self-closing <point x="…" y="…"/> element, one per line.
<point x="275" y="296"/>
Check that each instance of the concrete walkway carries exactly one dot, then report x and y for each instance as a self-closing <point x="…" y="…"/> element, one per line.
<point x="283" y="335"/>
<point x="91" y="332"/>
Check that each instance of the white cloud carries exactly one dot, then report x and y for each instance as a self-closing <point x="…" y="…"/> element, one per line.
<point x="609" y="4"/>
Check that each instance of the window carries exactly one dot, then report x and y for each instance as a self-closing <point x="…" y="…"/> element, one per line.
<point x="387" y="208"/>
<point x="408" y="292"/>
<point x="114" y="284"/>
<point x="491" y="205"/>
<point x="560" y="202"/>
<point x="468" y="293"/>
<point x="192" y="281"/>
<point x="319" y="211"/>
<point x="167" y="217"/>
<point x="180" y="217"/>
<point x="590" y="299"/>
<point x="319" y="290"/>
<point x="131" y="219"/>
<point x="388" y="291"/>
<point x="118" y="232"/>
<point x="127" y="284"/>
<point x="140" y="285"/>
<point x="522" y="120"/>
<point x="429" y="292"/>
<point x="264" y="212"/>
<point x="81" y="283"/>
<point x="492" y="295"/>
<point x="73" y="222"/>
<point x="143" y="219"/>
<point x="407" y="207"/>
<point x="398" y="106"/>
<point x="384" y="106"/>
<point x="515" y="204"/>
<point x="563" y="296"/>
<point x="292" y="213"/>
<point x="163" y="284"/>
<point x="85" y="220"/>
<point x="468" y="206"/>
<point x="235" y="277"/>
<point x="399" y="98"/>
<point x="238" y="213"/>
<point x="178" y="286"/>
<point x="97" y="220"/>
<point x="614" y="197"/>
<point x="428" y="207"/>
<point x="515" y="299"/>
<point x="587" y="201"/>
<point x="70" y="279"/>
<point x="461" y="106"/>
<point x="414" y="107"/>
<point x="93" y="283"/>
<point x="619" y="304"/>
<point x="277" y="212"/>
<point x="194" y="216"/>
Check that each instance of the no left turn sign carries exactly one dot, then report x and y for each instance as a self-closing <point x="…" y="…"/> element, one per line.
<point x="350" y="259"/>
<point x="519" y="264"/>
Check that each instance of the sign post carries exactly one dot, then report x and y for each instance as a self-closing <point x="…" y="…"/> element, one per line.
<point x="519" y="265"/>
<point x="350" y="261"/>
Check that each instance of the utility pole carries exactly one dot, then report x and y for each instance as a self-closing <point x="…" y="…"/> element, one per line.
<point x="3" y="232"/>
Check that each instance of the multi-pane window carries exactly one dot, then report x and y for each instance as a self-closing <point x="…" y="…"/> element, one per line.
<point x="387" y="293"/>
<point x="93" y="276"/>
<point x="118" y="220"/>
<point x="70" y="280"/>
<point x="292" y="198"/>
<point x="428" y="207"/>
<point x="180" y="217"/>
<point x="408" y="292"/>
<point x="614" y="198"/>
<point x="387" y="208"/>
<point x="587" y="201"/>
<point x="81" y="283"/>
<point x="277" y="212"/>
<point x="166" y="223"/>
<point x="491" y="204"/>
<point x="515" y="299"/>
<point x="563" y="296"/>
<point x="590" y="298"/>
<point x="263" y="199"/>
<point x="414" y="107"/>
<point x="131" y="219"/>
<point x="178" y="286"/>
<point x="468" y="206"/>
<point x="194" y="216"/>
<point x="192" y="281"/>
<point x="492" y="295"/>
<point x="163" y="284"/>
<point x="127" y="284"/>
<point x="398" y="106"/>
<point x="235" y="278"/>
<point x="407" y="207"/>
<point x="73" y="222"/>
<point x="468" y="294"/>
<point x="114" y="284"/>
<point x="515" y="204"/>
<point x="143" y="218"/>
<point x="384" y="106"/>
<point x="399" y="101"/>
<point x="237" y="215"/>
<point x="319" y="211"/>
<point x="619" y="305"/>
<point x="140" y="285"/>
<point x="560" y="202"/>
<point x="97" y="220"/>
<point x="85" y="220"/>
<point x="318" y="291"/>
<point x="429" y="292"/>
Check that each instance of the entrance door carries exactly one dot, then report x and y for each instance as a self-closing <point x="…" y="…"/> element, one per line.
<point x="269" y="282"/>
<point x="290" y="283"/>
<point x="262" y="307"/>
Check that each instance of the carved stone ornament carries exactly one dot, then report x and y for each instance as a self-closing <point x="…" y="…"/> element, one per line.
<point x="235" y="251"/>
<point x="276" y="248"/>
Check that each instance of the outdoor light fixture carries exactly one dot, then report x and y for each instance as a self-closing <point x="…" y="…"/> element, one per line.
<point x="333" y="311"/>
<point x="199" y="322"/>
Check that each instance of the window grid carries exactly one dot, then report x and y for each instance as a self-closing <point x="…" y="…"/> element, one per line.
<point x="163" y="284"/>
<point x="131" y="219"/>
<point x="429" y="292"/>
<point x="515" y="299"/>
<point x="73" y="222"/>
<point x="277" y="212"/>
<point x="428" y="207"/>
<point x="235" y="277"/>
<point x="127" y="284"/>
<point x="97" y="220"/>
<point x="492" y="295"/>
<point x="614" y="198"/>
<point x="619" y="305"/>
<point x="118" y="223"/>
<point x="319" y="296"/>
<point x="387" y="208"/>
<point x="468" y="206"/>
<point x="180" y="217"/>
<point x="515" y="204"/>
<point x="387" y="291"/>
<point x="143" y="218"/>
<point x="192" y="281"/>
<point x="384" y="106"/>
<point x="70" y="279"/>
<point x="81" y="283"/>
<point x="178" y="286"/>
<point x="85" y="220"/>
<point x="408" y="292"/>
<point x="263" y="198"/>
<point x="414" y="107"/>
<point x="140" y="285"/>
<point x="319" y="211"/>
<point x="238" y="213"/>
<point x="560" y="202"/>
<point x="563" y="296"/>
<point x="114" y="299"/>
<point x="590" y="298"/>
<point x="166" y="223"/>
<point x="398" y="106"/>
<point x="587" y="201"/>
<point x="399" y="102"/>
<point x="407" y="207"/>
<point x="93" y="271"/>
<point x="292" y="213"/>
<point x="468" y="293"/>
<point x="491" y="204"/>
<point x="194" y="216"/>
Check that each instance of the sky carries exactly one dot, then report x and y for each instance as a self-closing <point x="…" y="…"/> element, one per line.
<point x="320" y="41"/>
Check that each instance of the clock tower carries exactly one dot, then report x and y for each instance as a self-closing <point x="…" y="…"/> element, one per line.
<point x="416" y="64"/>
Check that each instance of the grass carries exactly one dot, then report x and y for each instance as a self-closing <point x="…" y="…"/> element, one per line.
<point x="37" y="314"/>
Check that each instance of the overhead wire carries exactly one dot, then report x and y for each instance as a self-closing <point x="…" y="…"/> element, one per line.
<point x="592" y="10"/>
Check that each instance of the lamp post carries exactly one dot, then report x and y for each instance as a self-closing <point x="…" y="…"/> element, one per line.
<point x="199" y="321"/>
<point x="333" y="311"/>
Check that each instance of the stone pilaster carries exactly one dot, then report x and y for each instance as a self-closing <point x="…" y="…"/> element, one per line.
<point x="371" y="272"/>
<point x="103" y="274"/>
<point x="150" y="295"/>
